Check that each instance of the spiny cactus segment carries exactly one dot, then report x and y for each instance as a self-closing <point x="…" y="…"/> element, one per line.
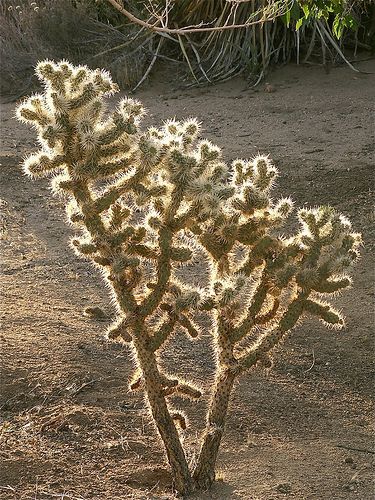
<point x="147" y="204"/>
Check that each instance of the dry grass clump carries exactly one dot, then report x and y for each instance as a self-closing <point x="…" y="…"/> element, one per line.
<point x="80" y="31"/>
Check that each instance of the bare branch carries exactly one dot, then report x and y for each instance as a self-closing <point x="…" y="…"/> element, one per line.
<point x="199" y="28"/>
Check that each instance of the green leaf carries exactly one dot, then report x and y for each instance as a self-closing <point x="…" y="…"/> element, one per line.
<point x="338" y="27"/>
<point x="299" y="23"/>
<point x="286" y="18"/>
<point x="350" y="22"/>
<point x="323" y="13"/>
<point x="306" y="10"/>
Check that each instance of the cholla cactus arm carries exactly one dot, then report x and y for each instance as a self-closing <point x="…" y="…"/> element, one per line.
<point x="294" y="273"/>
<point x="146" y="204"/>
<point x="330" y="249"/>
<point x="80" y="148"/>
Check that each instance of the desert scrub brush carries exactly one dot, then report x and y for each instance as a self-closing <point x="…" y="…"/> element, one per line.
<point x="148" y="203"/>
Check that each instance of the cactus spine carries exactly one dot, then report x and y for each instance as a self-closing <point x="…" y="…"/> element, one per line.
<point x="148" y="203"/>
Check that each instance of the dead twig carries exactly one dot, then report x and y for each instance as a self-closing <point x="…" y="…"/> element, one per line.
<point x="85" y="384"/>
<point x="312" y="364"/>
<point x="7" y="488"/>
<point x="198" y="28"/>
<point x="150" y="66"/>
<point x="62" y="496"/>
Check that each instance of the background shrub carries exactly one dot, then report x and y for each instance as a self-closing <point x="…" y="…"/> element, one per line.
<point x="95" y="33"/>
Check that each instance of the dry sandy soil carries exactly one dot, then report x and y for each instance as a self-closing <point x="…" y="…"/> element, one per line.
<point x="303" y="431"/>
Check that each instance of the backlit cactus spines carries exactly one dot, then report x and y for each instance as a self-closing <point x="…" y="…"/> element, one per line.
<point x="150" y="205"/>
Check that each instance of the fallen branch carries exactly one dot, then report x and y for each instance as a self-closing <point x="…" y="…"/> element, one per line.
<point x="199" y="28"/>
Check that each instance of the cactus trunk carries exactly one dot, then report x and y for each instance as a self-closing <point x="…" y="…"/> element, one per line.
<point x="181" y="476"/>
<point x="204" y="473"/>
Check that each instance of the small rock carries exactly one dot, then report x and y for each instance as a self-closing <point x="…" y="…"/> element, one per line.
<point x="284" y="488"/>
<point x="269" y="88"/>
<point x="349" y="460"/>
<point x="349" y="486"/>
<point x="95" y="313"/>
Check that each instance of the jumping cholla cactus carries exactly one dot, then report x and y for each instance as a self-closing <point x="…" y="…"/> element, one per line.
<point x="147" y="204"/>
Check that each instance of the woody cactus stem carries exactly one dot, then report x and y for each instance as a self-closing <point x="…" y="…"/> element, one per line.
<point x="161" y="415"/>
<point x="149" y="204"/>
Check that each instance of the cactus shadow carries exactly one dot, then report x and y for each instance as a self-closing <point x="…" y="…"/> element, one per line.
<point x="221" y="490"/>
<point x="156" y="480"/>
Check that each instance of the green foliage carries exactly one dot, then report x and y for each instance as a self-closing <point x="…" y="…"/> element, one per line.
<point x="338" y="13"/>
<point x="169" y="201"/>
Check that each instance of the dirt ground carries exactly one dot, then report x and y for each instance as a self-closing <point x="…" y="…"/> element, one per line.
<point x="303" y="431"/>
